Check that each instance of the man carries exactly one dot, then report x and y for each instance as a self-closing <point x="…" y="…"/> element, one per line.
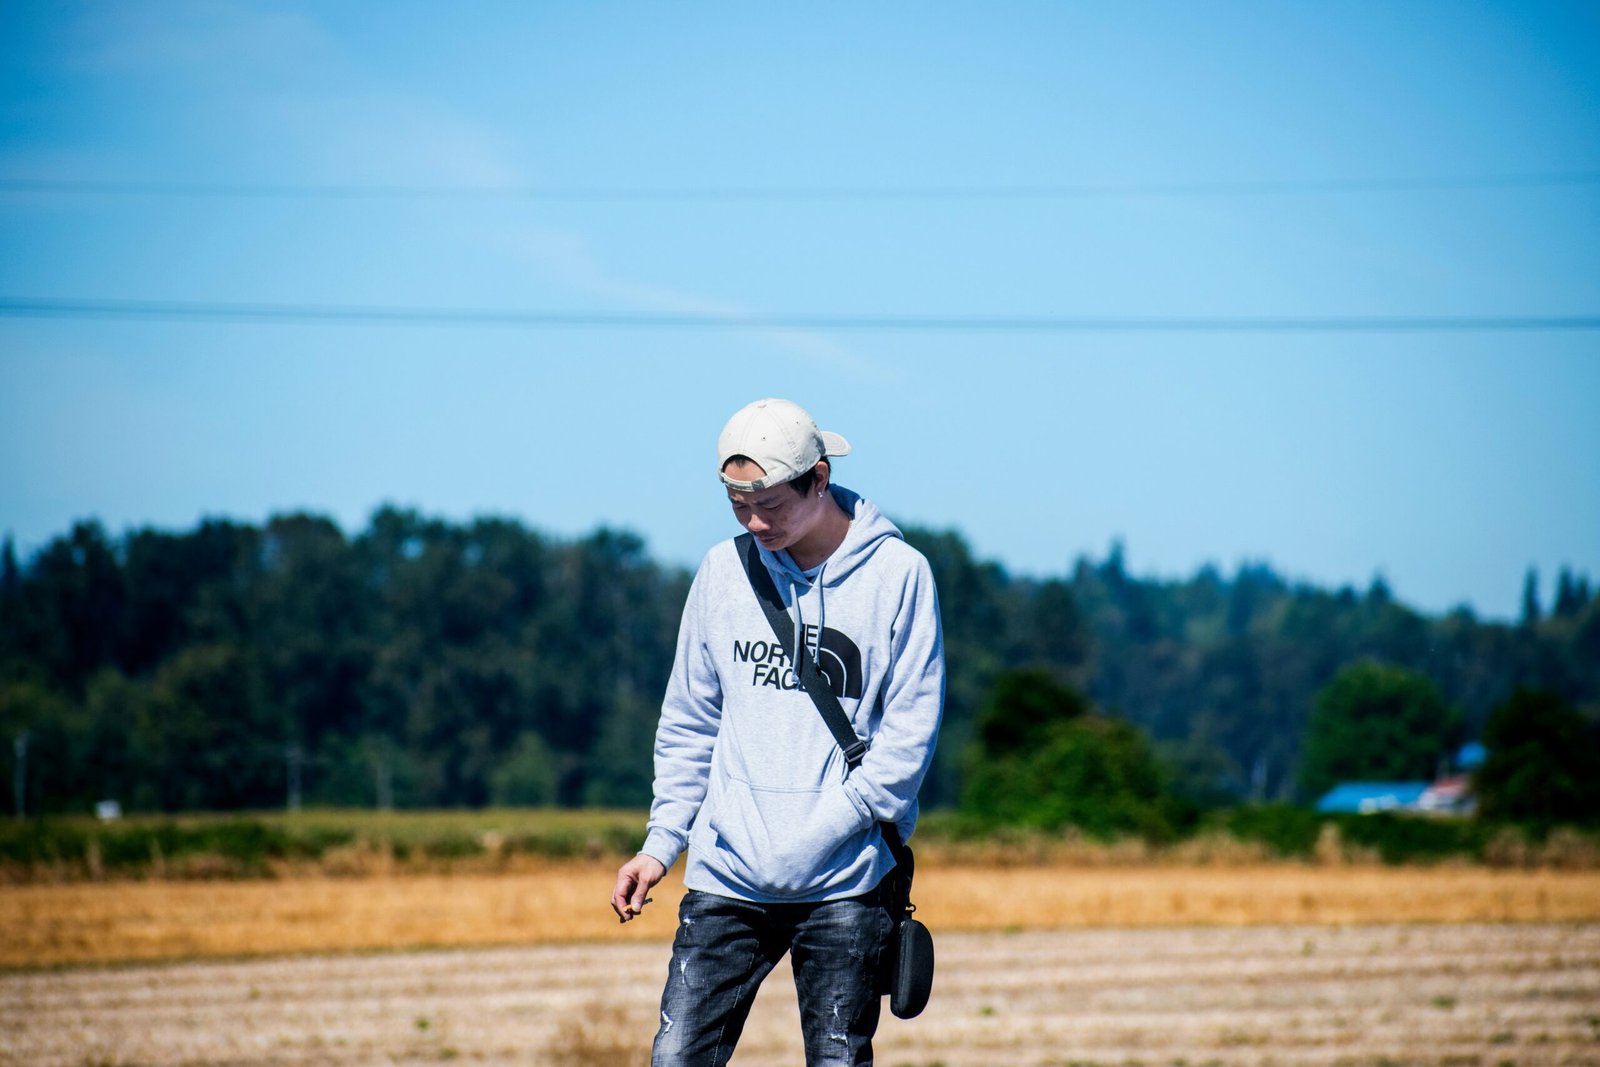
<point x="785" y="852"/>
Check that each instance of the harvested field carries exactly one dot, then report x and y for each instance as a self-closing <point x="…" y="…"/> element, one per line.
<point x="1038" y="965"/>
<point x="1451" y="995"/>
<point x="109" y="922"/>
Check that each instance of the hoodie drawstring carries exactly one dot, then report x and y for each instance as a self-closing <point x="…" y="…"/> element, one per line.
<point x="795" y="595"/>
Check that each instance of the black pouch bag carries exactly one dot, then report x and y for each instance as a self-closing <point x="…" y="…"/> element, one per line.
<point x="911" y="976"/>
<point x="905" y="971"/>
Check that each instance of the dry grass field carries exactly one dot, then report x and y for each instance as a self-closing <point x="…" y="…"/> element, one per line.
<point x="114" y="922"/>
<point x="1351" y="966"/>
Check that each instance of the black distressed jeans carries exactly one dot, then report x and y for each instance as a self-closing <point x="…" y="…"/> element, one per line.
<point x="725" y="948"/>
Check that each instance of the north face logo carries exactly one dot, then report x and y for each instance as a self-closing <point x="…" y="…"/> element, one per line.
<point x="838" y="659"/>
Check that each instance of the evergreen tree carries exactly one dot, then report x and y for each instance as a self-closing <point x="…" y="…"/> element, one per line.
<point x="11" y="635"/>
<point x="1531" y="612"/>
<point x="1571" y="595"/>
<point x="1543" y="762"/>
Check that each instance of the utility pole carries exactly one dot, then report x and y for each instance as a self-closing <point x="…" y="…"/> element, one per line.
<point x="19" y="781"/>
<point x="1258" y="778"/>
<point x="383" y="781"/>
<point x="296" y="757"/>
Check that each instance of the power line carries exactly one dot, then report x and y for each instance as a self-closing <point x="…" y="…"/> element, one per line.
<point x="315" y="314"/>
<point x="787" y="194"/>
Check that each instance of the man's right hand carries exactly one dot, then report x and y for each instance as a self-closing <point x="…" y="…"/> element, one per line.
<point x="634" y="882"/>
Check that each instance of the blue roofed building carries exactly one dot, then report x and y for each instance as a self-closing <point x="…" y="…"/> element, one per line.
<point x="1365" y="798"/>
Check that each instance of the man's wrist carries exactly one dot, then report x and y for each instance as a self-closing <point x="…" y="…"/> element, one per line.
<point x="662" y="846"/>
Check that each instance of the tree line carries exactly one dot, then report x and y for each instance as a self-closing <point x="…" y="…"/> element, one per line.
<point x="424" y="663"/>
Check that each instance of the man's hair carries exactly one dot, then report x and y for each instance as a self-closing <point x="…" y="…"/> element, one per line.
<point x="802" y="483"/>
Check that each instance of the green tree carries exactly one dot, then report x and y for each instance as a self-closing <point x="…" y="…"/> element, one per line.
<point x="975" y="622"/>
<point x="1376" y="722"/>
<point x="621" y="772"/>
<point x="68" y="609"/>
<point x="209" y="735"/>
<point x="1571" y="595"/>
<point x="406" y="662"/>
<point x="308" y="626"/>
<point x="1531" y="611"/>
<point x="1044" y="760"/>
<point x="1199" y="774"/>
<point x="47" y="731"/>
<point x="11" y="629"/>
<point x="1022" y="708"/>
<point x="1543" y="763"/>
<point x="527" y="777"/>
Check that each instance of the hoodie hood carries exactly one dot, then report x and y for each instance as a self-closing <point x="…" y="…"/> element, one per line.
<point x="868" y="529"/>
<point x="806" y="595"/>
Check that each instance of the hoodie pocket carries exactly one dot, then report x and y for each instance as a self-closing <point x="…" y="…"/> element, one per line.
<point x="782" y="843"/>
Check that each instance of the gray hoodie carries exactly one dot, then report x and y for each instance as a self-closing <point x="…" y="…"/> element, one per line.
<point x="748" y="777"/>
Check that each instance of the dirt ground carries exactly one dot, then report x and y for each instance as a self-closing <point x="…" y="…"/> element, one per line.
<point x="1433" y="994"/>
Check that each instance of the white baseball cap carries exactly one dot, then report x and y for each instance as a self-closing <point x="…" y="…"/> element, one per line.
<point x="781" y="437"/>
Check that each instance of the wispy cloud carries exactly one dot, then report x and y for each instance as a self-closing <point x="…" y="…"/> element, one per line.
<point x="273" y="95"/>
<point x="568" y="260"/>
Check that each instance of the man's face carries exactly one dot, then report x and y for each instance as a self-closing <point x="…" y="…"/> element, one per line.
<point x="777" y="516"/>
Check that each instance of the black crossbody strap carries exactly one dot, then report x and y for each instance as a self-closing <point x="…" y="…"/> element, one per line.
<point x="811" y="678"/>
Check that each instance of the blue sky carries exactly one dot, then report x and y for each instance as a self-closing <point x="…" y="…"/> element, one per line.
<point x="1176" y="167"/>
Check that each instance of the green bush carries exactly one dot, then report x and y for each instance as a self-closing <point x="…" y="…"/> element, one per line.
<point x="247" y="844"/>
<point x="453" y="846"/>
<point x="1400" y="838"/>
<point x="38" y="843"/>
<point x="311" y="842"/>
<point x="1292" y="832"/>
<point x="1289" y="831"/>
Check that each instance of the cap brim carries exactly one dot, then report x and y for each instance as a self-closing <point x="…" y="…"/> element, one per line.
<point x="751" y="487"/>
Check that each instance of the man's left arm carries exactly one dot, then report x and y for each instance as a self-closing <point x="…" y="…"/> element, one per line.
<point x="884" y="786"/>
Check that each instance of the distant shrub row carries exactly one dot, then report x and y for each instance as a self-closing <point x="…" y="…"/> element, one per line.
<point x="1392" y="838"/>
<point x="262" y="846"/>
<point x="245" y="846"/>
<point x="354" y="843"/>
<point x="1275" y="832"/>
